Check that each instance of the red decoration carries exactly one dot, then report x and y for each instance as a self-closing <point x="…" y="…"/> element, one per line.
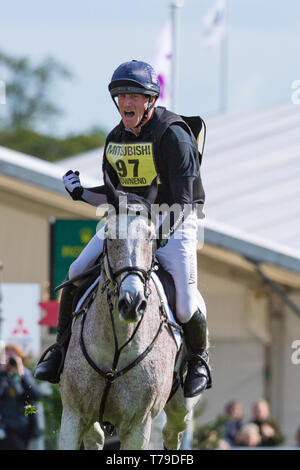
<point x="51" y="308"/>
<point x="20" y="328"/>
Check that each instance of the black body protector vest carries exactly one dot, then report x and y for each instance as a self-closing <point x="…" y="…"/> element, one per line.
<point x="137" y="162"/>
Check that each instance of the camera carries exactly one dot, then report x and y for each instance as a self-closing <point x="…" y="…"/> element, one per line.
<point x="12" y="362"/>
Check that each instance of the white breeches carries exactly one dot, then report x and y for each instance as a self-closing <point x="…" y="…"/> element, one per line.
<point x="178" y="257"/>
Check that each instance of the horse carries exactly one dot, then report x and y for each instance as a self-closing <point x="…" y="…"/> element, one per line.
<point x="118" y="371"/>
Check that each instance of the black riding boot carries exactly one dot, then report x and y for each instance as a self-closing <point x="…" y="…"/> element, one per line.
<point x="198" y="376"/>
<point x="49" y="369"/>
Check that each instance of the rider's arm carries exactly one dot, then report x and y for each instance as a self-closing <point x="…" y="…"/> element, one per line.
<point x="184" y="202"/>
<point x="94" y="196"/>
<point x="180" y="157"/>
<point x="179" y="162"/>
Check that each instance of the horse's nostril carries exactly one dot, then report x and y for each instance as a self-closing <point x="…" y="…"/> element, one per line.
<point x="123" y="306"/>
<point x="132" y="310"/>
<point x="142" y="307"/>
<point x="125" y="303"/>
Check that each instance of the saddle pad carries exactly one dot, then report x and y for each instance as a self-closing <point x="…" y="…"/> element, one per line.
<point x="163" y="298"/>
<point x="85" y="295"/>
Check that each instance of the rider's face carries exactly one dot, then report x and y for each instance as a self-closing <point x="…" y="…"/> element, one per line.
<point x="132" y="108"/>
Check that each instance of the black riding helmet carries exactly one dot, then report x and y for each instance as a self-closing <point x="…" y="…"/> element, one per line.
<point x="135" y="77"/>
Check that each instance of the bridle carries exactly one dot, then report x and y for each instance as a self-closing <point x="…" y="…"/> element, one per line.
<point x="112" y="276"/>
<point x="112" y="289"/>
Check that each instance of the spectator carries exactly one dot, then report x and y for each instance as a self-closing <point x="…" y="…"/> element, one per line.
<point x="223" y="445"/>
<point x="248" y="435"/>
<point x="17" y="389"/>
<point x="234" y="413"/>
<point x="270" y="432"/>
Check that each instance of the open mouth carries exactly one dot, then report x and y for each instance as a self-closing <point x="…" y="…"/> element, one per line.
<point x="129" y="114"/>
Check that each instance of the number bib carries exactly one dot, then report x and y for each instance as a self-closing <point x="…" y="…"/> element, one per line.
<point x="133" y="162"/>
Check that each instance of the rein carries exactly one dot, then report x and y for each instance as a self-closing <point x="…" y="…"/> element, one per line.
<point x="111" y="375"/>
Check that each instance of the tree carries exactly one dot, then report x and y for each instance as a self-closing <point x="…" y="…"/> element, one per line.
<point x="28" y="102"/>
<point x="28" y="90"/>
<point x="48" y="147"/>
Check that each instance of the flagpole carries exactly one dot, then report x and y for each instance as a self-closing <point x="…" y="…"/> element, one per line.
<point x="175" y="32"/>
<point x="223" y="73"/>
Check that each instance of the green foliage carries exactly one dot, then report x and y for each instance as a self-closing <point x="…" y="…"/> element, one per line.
<point x="30" y="409"/>
<point x="28" y="90"/>
<point x="53" y="410"/>
<point x="29" y="102"/>
<point x="48" y="147"/>
<point x="207" y="437"/>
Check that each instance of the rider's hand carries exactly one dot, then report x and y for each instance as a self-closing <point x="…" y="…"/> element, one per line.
<point x="72" y="184"/>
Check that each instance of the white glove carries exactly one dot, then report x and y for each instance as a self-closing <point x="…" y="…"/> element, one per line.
<point x="72" y="184"/>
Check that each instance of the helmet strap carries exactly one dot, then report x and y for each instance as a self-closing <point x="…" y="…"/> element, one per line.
<point x="114" y="100"/>
<point x="146" y="112"/>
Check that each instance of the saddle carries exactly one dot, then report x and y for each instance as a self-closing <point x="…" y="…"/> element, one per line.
<point x="168" y="286"/>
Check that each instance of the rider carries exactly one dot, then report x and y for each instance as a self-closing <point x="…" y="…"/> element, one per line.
<point x="148" y="141"/>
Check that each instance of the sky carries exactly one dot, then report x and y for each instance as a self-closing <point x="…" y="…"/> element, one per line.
<point x="92" y="37"/>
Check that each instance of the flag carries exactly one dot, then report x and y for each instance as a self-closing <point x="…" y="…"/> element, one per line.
<point x="162" y="64"/>
<point x="215" y="24"/>
<point x="52" y="310"/>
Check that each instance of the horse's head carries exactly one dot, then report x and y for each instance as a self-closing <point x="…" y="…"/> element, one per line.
<point x="130" y="238"/>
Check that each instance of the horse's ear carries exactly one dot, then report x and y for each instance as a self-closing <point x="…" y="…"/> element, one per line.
<point x="111" y="192"/>
<point x="152" y="191"/>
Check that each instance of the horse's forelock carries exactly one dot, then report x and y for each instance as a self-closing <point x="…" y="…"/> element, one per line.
<point x="137" y="209"/>
<point x="129" y="226"/>
<point x="130" y="205"/>
<point x="135" y="199"/>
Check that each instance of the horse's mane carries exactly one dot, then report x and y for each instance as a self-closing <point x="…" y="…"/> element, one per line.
<point x="137" y="199"/>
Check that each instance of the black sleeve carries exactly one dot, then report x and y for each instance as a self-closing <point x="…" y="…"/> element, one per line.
<point x="179" y="169"/>
<point x="94" y="196"/>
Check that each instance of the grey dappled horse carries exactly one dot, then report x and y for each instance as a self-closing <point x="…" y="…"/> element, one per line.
<point x="129" y="346"/>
